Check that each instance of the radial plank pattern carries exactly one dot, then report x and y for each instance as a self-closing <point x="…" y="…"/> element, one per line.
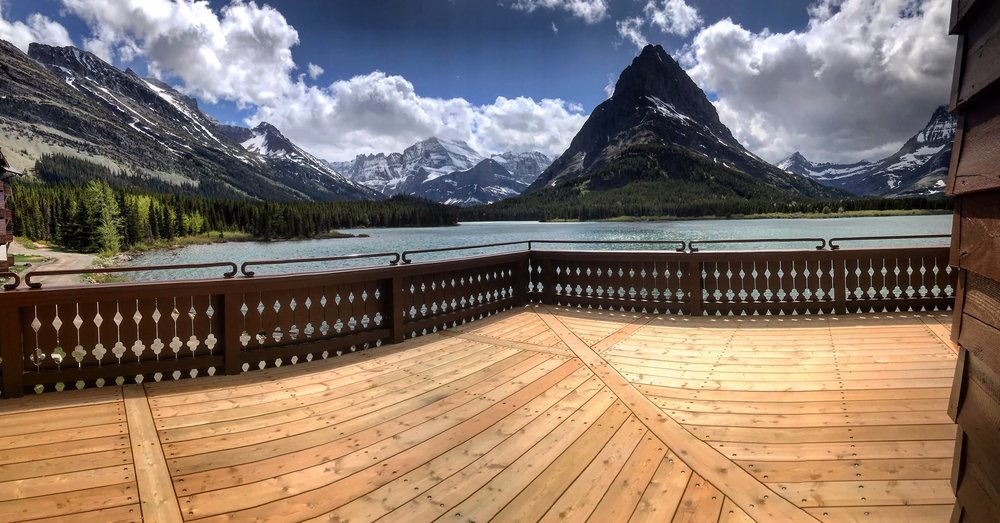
<point x="540" y="414"/>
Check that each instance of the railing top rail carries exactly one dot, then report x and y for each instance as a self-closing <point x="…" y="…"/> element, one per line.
<point x="530" y="243"/>
<point x="693" y="248"/>
<point x="13" y="275"/>
<point x="834" y="246"/>
<point x="681" y="245"/>
<point x="256" y="263"/>
<point x="114" y="270"/>
<point x="405" y="256"/>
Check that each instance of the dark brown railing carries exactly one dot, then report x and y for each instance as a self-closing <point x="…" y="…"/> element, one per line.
<point x="85" y="336"/>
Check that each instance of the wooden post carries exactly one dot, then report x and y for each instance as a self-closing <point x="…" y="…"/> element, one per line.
<point x="231" y="331"/>
<point x="548" y="279"/>
<point x="521" y="281"/>
<point x="396" y="313"/>
<point x="692" y="285"/>
<point x="839" y="284"/>
<point x="10" y="351"/>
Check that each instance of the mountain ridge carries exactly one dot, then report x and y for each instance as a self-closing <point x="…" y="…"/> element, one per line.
<point x="918" y="168"/>
<point x="63" y="100"/>
<point x="417" y="169"/>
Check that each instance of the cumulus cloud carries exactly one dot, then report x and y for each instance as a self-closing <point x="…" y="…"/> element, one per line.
<point x="383" y="113"/>
<point x="38" y="28"/>
<point x="590" y="11"/>
<point x="314" y="71"/>
<point x="673" y="16"/>
<point x="243" y="53"/>
<point x="860" y="79"/>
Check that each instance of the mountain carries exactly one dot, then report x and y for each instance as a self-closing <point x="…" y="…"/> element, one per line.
<point x="919" y="168"/>
<point x="656" y="103"/>
<point x="433" y="169"/>
<point x="61" y="100"/>
<point x="489" y="181"/>
<point x="289" y="161"/>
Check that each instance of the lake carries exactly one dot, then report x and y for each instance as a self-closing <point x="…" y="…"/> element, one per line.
<point x="401" y="239"/>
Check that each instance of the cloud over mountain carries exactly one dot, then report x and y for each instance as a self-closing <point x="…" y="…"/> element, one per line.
<point x="851" y="85"/>
<point x="243" y="53"/>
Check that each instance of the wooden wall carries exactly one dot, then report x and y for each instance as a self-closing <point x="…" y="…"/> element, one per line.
<point x="974" y="181"/>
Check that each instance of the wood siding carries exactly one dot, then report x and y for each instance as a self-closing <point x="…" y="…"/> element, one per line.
<point x="974" y="180"/>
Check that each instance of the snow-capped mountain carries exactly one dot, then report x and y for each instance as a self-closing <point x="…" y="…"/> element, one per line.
<point x="433" y="169"/>
<point x="919" y="168"/>
<point x="657" y="113"/>
<point x="489" y="181"/>
<point x="68" y="101"/>
<point x="283" y="156"/>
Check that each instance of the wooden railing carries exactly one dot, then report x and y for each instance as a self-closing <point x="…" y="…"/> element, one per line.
<point x="86" y="336"/>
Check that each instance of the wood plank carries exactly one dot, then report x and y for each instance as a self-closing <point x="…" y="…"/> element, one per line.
<point x="718" y="470"/>
<point x="155" y="490"/>
<point x="623" y="494"/>
<point x="884" y="514"/>
<point x="581" y="498"/>
<point x="63" y="506"/>
<point x="549" y="408"/>
<point x="701" y="502"/>
<point x="824" y="434"/>
<point x="733" y="514"/>
<point x="545" y="488"/>
<point x="345" y="441"/>
<point x="868" y="493"/>
<point x="661" y="498"/>
<point x="316" y="490"/>
<point x="848" y="470"/>
<point x="513" y="462"/>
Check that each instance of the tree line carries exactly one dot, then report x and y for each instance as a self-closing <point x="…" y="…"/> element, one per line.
<point x="79" y="205"/>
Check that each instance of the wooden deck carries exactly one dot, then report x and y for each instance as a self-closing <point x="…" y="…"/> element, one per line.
<point x="537" y="414"/>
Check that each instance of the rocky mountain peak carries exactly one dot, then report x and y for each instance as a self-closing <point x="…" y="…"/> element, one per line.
<point x="654" y="74"/>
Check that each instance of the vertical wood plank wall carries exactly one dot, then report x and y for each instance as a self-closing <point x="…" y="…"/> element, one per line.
<point x="974" y="181"/>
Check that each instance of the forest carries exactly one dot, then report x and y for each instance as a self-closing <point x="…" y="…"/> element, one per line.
<point x="663" y="181"/>
<point x="87" y="207"/>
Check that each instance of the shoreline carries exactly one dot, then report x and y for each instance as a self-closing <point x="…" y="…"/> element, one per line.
<point x="762" y="216"/>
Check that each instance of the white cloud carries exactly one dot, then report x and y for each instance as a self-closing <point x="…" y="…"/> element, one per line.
<point x="863" y="76"/>
<point x="669" y="16"/>
<point x="314" y="71"/>
<point x="555" y="29"/>
<point x="591" y="11"/>
<point x="38" y="28"/>
<point x="242" y="53"/>
<point x="630" y="29"/>
<point x="382" y="113"/>
<point x="673" y="16"/>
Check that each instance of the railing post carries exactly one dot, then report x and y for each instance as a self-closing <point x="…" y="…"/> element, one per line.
<point x="839" y="283"/>
<point x="692" y="287"/>
<point x="547" y="280"/>
<point x="10" y="351"/>
<point x="396" y="317"/>
<point x="231" y="329"/>
<point x="521" y="281"/>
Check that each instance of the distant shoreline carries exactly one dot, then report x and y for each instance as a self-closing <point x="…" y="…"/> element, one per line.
<point x="763" y="216"/>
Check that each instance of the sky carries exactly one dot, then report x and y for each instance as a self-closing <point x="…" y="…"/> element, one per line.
<point x="837" y="80"/>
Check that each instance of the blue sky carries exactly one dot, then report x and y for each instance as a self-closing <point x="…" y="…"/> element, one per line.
<point x="522" y="74"/>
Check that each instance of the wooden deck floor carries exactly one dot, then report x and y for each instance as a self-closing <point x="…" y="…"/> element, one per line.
<point x="537" y="414"/>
